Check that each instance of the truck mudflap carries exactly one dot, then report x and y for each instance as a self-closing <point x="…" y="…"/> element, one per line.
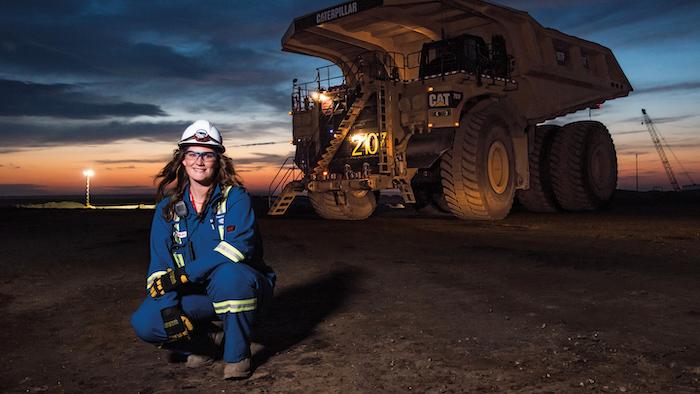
<point x="425" y="149"/>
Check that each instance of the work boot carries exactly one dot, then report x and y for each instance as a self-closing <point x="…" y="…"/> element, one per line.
<point x="239" y="370"/>
<point x="175" y="357"/>
<point x="199" y="360"/>
<point x="204" y="360"/>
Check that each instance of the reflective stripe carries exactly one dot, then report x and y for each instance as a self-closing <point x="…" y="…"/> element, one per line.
<point x="235" y="306"/>
<point x="229" y="251"/>
<point x="177" y="231"/>
<point x="222" y="204"/>
<point x="179" y="260"/>
<point x="221" y="210"/>
<point x="153" y="277"/>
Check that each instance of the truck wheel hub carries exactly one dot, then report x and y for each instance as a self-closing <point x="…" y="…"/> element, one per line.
<point x="498" y="168"/>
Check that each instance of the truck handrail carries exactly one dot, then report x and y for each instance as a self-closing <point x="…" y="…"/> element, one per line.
<point x="392" y="66"/>
<point x="284" y="178"/>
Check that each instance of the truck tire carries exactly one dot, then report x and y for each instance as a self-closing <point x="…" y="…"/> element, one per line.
<point x="540" y="196"/>
<point x="478" y="172"/>
<point x="358" y="204"/>
<point x="583" y="166"/>
<point x="440" y="203"/>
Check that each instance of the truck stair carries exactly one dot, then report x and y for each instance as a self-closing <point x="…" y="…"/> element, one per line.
<point x="288" y="175"/>
<point x="285" y="198"/>
<point x="344" y="128"/>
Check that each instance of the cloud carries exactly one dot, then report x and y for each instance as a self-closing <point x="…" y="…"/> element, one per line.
<point x="591" y="17"/>
<point x="278" y="100"/>
<point x="663" y="119"/>
<point x="628" y="152"/>
<point x="244" y="168"/>
<point x="222" y="41"/>
<point x="64" y="101"/>
<point x="127" y="161"/>
<point x="224" y="60"/>
<point x="10" y="166"/>
<point x="630" y="149"/>
<point x="261" y="143"/>
<point x="28" y="134"/>
<point x="131" y="187"/>
<point x="674" y="32"/>
<point x="644" y="147"/>
<point x="629" y="132"/>
<point x="263" y="158"/>
<point x="271" y="128"/>
<point x="674" y="87"/>
<point x="120" y="168"/>
<point x="18" y="189"/>
<point x="685" y="145"/>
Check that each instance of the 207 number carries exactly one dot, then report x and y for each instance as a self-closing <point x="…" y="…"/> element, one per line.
<point x="369" y="145"/>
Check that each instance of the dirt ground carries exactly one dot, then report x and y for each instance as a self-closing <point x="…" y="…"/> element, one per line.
<point x="404" y="301"/>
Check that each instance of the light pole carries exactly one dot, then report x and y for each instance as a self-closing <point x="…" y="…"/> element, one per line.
<point x="88" y="173"/>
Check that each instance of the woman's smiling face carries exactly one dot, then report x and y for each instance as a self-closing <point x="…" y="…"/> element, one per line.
<point x="200" y="163"/>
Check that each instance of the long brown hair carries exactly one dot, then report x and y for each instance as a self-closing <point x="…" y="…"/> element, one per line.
<point x="173" y="179"/>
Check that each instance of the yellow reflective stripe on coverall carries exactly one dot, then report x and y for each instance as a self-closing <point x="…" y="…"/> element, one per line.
<point x="221" y="211"/>
<point x="235" y="306"/>
<point x="229" y="251"/>
<point x="224" y="247"/>
<point x="179" y="260"/>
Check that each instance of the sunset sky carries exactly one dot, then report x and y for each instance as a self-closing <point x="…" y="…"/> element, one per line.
<point x="110" y="85"/>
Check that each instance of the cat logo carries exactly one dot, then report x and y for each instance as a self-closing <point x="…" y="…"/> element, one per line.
<point x="444" y="99"/>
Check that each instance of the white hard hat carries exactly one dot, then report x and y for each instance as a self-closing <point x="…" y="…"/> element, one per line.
<point x="202" y="133"/>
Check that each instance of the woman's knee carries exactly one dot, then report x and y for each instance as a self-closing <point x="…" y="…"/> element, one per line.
<point x="232" y="281"/>
<point x="233" y="275"/>
<point x="147" y="324"/>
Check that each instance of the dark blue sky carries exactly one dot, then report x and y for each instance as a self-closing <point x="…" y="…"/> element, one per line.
<point x="94" y="73"/>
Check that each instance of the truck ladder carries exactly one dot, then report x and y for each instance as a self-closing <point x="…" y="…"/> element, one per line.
<point x="382" y="128"/>
<point x="343" y="128"/>
<point x="406" y="191"/>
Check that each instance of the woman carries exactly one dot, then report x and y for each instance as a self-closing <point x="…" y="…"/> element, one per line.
<point x="206" y="258"/>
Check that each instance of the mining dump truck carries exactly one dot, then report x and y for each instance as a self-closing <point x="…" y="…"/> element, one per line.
<point x="448" y="103"/>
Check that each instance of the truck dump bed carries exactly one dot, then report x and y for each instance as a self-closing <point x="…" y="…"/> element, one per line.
<point x="553" y="73"/>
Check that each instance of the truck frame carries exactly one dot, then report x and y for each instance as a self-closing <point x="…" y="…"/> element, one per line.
<point x="444" y="100"/>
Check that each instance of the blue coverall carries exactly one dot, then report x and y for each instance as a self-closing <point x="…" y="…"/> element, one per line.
<point x="222" y="253"/>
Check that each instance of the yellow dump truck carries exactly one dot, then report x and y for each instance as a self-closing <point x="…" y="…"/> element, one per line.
<point x="444" y="101"/>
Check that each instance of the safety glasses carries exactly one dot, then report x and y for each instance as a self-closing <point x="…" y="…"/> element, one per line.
<point x="207" y="157"/>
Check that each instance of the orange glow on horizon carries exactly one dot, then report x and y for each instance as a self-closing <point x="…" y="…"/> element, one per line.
<point x="122" y="168"/>
<point x="130" y="168"/>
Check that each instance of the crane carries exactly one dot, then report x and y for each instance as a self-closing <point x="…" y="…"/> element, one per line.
<point x="656" y="138"/>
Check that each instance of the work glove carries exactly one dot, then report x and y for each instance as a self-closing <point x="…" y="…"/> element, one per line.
<point x="169" y="281"/>
<point x="176" y="324"/>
